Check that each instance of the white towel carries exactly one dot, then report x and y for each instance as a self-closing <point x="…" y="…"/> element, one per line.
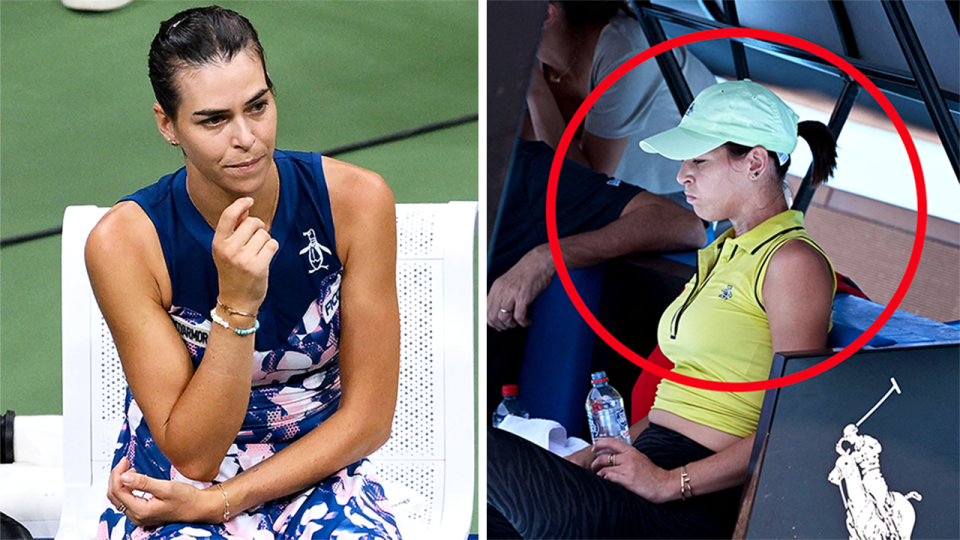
<point x="547" y="434"/>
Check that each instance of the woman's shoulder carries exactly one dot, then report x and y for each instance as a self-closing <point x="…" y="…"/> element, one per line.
<point x="362" y="205"/>
<point x="800" y="257"/>
<point x="356" y="189"/>
<point x="343" y="180"/>
<point x="124" y="247"/>
<point x="799" y="266"/>
<point x="799" y="249"/>
<point x="787" y="257"/>
<point x="121" y="232"/>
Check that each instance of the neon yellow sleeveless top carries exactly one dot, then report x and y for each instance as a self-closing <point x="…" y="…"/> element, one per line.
<point x="717" y="328"/>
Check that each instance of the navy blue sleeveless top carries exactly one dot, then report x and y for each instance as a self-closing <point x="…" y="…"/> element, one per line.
<point x="296" y="383"/>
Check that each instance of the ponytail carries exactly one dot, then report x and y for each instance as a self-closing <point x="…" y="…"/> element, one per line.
<point x="823" y="147"/>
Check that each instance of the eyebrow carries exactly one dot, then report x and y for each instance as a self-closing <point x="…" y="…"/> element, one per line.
<point x="216" y="112"/>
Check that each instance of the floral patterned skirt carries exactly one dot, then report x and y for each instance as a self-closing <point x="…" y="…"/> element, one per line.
<point x="347" y="505"/>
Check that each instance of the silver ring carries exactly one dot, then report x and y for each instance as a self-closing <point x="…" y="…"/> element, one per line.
<point x="504" y="310"/>
<point x="122" y="508"/>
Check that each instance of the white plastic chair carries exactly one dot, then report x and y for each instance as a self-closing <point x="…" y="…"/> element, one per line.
<point x="431" y="448"/>
<point x="31" y="487"/>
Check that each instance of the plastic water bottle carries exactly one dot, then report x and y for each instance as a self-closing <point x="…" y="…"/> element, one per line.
<point x="605" y="410"/>
<point x="509" y="405"/>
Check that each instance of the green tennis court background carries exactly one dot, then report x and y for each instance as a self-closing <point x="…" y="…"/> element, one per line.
<point x="76" y="127"/>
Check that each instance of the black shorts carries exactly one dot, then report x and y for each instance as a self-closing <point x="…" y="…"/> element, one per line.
<point x="532" y="493"/>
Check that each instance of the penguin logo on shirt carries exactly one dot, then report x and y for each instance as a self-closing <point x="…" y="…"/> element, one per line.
<point x="727" y="293"/>
<point x="315" y="251"/>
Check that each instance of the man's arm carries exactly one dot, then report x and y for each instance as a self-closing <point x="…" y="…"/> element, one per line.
<point x="545" y="122"/>
<point x="648" y="223"/>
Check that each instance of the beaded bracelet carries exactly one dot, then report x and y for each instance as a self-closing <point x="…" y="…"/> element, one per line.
<point x="226" y="503"/>
<point x="239" y="331"/>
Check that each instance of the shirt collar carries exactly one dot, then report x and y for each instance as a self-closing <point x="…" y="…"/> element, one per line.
<point x="762" y="234"/>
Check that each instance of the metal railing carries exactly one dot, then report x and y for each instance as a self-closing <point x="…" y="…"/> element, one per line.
<point x="922" y="85"/>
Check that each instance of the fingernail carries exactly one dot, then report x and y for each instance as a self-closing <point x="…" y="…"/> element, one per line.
<point x="127" y="477"/>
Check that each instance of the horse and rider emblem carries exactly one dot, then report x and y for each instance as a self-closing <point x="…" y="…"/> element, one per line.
<point x="873" y="511"/>
<point x="315" y="251"/>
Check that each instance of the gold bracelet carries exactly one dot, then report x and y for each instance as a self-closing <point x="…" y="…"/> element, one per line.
<point x="226" y="503"/>
<point x="232" y="311"/>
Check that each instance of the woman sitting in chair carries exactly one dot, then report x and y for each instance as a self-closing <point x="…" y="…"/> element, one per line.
<point x="255" y="394"/>
<point x="762" y="286"/>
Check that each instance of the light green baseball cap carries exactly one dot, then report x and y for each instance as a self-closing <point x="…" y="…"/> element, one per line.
<point x="742" y="112"/>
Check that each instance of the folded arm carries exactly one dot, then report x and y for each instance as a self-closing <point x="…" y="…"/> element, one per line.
<point x="194" y="416"/>
<point x="648" y="223"/>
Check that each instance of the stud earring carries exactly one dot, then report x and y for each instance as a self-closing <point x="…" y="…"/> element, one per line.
<point x="173" y="142"/>
<point x="756" y="174"/>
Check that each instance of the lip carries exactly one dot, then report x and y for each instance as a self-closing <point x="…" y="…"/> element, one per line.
<point x="690" y="198"/>
<point x="245" y="166"/>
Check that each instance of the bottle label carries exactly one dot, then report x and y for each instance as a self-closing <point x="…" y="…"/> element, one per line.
<point x="610" y="422"/>
<point x="594" y="428"/>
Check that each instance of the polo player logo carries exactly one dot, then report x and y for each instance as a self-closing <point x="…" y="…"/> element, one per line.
<point x="727" y="293"/>
<point x="315" y="251"/>
<point x="873" y="511"/>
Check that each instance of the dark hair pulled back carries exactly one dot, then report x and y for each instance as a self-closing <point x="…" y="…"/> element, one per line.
<point x="582" y="13"/>
<point x="823" y="147"/>
<point x="194" y="38"/>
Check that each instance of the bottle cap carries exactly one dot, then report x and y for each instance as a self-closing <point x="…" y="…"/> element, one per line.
<point x="510" y="390"/>
<point x="598" y="377"/>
